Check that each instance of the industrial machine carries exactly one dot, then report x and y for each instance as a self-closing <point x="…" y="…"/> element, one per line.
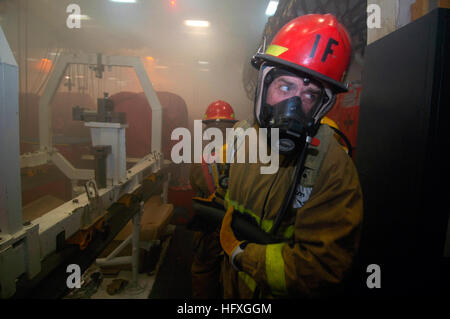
<point x="111" y="194"/>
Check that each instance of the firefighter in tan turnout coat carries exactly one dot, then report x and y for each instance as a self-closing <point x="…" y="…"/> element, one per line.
<point x="311" y="208"/>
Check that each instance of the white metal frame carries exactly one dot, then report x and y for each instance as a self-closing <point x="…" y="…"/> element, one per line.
<point x="112" y="134"/>
<point x="64" y="60"/>
<point x="46" y="149"/>
<point x="23" y="247"/>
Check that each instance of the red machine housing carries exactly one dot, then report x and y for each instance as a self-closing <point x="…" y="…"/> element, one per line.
<point x="346" y="113"/>
<point x="139" y="119"/>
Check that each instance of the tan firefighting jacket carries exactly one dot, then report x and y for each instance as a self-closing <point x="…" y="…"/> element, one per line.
<point x="205" y="179"/>
<point x="321" y="237"/>
<point x="198" y="180"/>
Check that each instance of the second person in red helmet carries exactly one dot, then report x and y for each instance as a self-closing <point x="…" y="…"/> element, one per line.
<point x="205" y="178"/>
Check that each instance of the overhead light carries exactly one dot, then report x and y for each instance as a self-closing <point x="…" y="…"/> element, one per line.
<point x="203" y="62"/>
<point x="271" y="8"/>
<point x="44" y="65"/>
<point x="123" y="1"/>
<point x="197" y="23"/>
<point x="67" y="77"/>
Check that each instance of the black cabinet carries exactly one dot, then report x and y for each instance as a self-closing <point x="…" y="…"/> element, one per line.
<point x="403" y="158"/>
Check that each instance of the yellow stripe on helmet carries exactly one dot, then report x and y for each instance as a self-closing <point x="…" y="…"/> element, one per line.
<point x="275" y="50"/>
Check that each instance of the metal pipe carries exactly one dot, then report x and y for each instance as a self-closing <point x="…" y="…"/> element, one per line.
<point x="135" y="244"/>
<point x="165" y="190"/>
<point x="117" y="250"/>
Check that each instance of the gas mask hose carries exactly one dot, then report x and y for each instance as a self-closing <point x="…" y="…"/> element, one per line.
<point x="290" y="195"/>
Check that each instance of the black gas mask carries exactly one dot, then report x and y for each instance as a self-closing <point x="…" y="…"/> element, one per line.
<point x="289" y="115"/>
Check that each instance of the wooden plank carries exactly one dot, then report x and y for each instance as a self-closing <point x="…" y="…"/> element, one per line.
<point x="422" y="7"/>
<point x="444" y="4"/>
<point x="418" y="9"/>
<point x="155" y="217"/>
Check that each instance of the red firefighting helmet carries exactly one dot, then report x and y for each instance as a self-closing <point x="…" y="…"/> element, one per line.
<point x="314" y="44"/>
<point x="219" y="111"/>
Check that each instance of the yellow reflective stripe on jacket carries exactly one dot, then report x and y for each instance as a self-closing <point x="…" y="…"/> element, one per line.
<point x="289" y="232"/>
<point x="275" y="269"/>
<point x="249" y="281"/>
<point x="266" y="224"/>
